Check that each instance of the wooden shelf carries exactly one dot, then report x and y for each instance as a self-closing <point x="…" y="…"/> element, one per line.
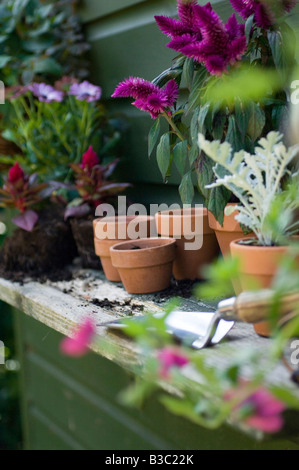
<point x="65" y="304"/>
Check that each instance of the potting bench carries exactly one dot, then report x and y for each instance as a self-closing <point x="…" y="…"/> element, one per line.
<point x="70" y="403"/>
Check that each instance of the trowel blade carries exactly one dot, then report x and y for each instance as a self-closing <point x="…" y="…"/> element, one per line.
<point x="187" y="326"/>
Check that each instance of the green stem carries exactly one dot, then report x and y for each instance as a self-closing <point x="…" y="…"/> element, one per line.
<point x="61" y="135"/>
<point x="175" y="128"/>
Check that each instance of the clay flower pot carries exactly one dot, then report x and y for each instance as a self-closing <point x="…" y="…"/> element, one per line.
<point x="144" y="265"/>
<point x="109" y="231"/>
<point x="257" y="264"/>
<point x="228" y="232"/>
<point x="82" y="230"/>
<point x="187" y="226"/>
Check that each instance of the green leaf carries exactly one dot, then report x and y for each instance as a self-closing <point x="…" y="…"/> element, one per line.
<point x="233" y="135"/>
<point x="180" y="155"/>
<point x="218" y="199"/>
<point x="257" y="122"/>
<point x="205" y="175"/>
<point x="193" y="153"/>
<point x="275" y="42"/>
<point x="4" y="59"/>
<point x="194" y="126"/>
<point x="153" y="136"/>
<point x="279" y="114"/>
<point x="202" y="117"/>
<point x="47" y="66"/>
<point x="218" y="125"/>
<point x="195" y="93"/>
<point x="188" y="72"/>
<point x="242" y="117"/>
<point x="163" y="154"/>
<point x="248" y="26"/>
<point x="186" y="188"/>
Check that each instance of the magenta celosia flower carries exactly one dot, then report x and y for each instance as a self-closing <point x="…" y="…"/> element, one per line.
<point x="260" y="410"/>
<point x="201" y="35"/>
<point x="46" y="93"/>
<point x="16" y="173"/>
<point x="265" y="14"/>
<point x="170" y="357"/>
<point x="90" y="159"/>
<point x="148" y="97"/>
<point x="85" y="91"/>
<point x="79" y="343"/>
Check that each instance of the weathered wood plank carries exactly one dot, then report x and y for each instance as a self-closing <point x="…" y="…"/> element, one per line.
<point x="63" y="305"/>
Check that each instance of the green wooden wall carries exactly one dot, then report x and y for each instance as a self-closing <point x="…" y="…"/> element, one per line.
<point x="127" y="42"/>
<point x="73" y="404"/>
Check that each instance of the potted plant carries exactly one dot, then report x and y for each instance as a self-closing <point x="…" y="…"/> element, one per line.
<point x="145" y="265"/>
<point x="260" y="182"/>
<point x="54" y="126"/>
<point x="93" y="187"/>
<point x="209" y="89"/>
<point x="229" y="230"/>
<point x="40" y="41"/>
<point x="42" y="243"/>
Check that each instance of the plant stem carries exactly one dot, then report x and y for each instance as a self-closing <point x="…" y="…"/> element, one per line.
<point x="175" y="128"/>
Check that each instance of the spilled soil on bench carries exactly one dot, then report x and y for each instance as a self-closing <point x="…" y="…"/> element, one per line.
<point x="42" y="254"/>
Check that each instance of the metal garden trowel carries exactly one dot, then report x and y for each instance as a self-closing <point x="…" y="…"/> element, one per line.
<point x="202" y="329"/>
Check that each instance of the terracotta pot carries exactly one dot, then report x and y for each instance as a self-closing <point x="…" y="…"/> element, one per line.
<point x="181" y="225"/>
<point x="102" y="249"/>
<point x="82" y="230"/>
<point x="145" y="265"/>
<point x="228" y="232"/>
<point x="109" y="231"/>
<point x="258" y="264"/>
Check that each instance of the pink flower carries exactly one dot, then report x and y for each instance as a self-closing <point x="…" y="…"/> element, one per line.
<point x="265" y="14"/>
<point x="148" y="97"/>
<point x="86" y="91"/>
<point x="260" y="410"/>
<point x="170" y="357"/>
<point x="46" y="93"/>
<point x="16" y="173"/>
<point x="90" y="159"/>
<point x="79" y="343"/>
<point x="200" y="34"/>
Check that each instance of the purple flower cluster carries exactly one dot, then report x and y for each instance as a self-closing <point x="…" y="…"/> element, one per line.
<point x="265" y="12"/>
<point x="84" y="91"/>
<point x="200" y="34"/>
<point x="148" y="97"/>
<point x="46" y="93"/>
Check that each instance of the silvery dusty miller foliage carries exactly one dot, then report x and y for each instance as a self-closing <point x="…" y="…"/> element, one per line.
<point x="256" y="180"/>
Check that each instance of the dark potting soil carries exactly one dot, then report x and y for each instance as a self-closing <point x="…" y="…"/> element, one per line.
<point x="42" y="254"/>
<point x="83" y="234"/>
<point x="184" y="289"/>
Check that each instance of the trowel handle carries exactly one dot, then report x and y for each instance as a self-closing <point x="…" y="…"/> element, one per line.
<point x="253" y="307"/>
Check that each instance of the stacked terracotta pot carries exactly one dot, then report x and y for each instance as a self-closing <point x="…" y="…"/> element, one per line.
<point x="196" y="242"/>
<point x="110" y="231"/>
<point x="185" y="244"/>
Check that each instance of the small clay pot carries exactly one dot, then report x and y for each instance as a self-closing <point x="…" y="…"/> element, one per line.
<point x="145" y="266"/>
<point x="228" y="232"/>
<point x="187" y="225"/>
<point x="82" y="230"/>
<point x="110" y="231"/>
<point x="258" y="264"/>
<point x="102" y="250"/>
